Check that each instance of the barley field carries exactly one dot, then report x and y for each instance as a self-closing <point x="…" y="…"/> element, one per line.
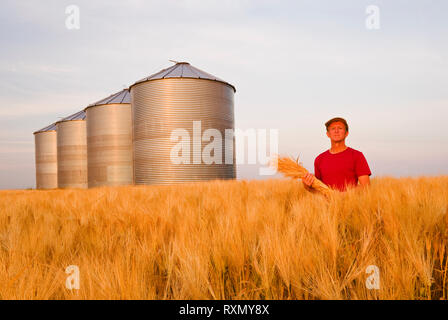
<point x="266" y="239"/>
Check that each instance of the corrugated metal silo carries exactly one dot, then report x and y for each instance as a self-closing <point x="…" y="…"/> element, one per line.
<point x="72" y="151"/>
<point x="109" y="141"/>
<point x="173" y="99"/>
<point x="46" y="158"/>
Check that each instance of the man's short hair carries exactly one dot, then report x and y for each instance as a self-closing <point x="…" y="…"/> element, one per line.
<point x="327" y="124"/>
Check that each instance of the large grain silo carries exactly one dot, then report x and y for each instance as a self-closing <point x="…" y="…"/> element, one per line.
<point x="72" y="151"/>
<point x="181" y="97"/>
<point x="46" y="157"/>
<point x="109" y="141"/>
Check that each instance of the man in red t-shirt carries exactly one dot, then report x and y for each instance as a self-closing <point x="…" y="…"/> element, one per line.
<point x="341" y="166"/>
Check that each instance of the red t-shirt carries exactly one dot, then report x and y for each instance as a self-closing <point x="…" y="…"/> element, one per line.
<point x="341" y="169"/>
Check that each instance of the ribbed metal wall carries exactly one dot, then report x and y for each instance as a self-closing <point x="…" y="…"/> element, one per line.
<point x="72" y="154"/>
<point x="109" y="145"/>
<point x="159" y="107"/>
<point x="46" y="160"/>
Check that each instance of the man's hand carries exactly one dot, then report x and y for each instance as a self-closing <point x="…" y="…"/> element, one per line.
<point x="308" y="179"/>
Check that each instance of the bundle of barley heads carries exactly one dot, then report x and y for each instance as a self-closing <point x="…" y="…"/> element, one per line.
<point x="291" y="168"/>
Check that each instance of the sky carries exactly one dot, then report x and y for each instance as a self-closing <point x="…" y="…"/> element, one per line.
<point x="295" y="65"/>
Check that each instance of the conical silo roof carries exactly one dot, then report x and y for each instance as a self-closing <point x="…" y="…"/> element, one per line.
<point x="81" y="115"/>
<point x="183" y="70"/>
<point x="121" y="97"/>
<point x="51" y="127"/>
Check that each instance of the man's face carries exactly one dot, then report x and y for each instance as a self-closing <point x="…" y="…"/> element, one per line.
<point x="336" y="132"/>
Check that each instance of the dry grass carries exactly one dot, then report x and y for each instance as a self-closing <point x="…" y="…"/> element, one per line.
<point x="227" y="240"/>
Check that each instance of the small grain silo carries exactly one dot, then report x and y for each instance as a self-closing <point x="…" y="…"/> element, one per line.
<point x="46" y="157"/>
<point x="109" y="141"/>
<point x="72" y="151"/>
<point x="181" y="97"/>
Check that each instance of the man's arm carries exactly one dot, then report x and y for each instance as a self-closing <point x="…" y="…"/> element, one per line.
<point x="362" y="170"/>
<point x="364" y="181"/>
